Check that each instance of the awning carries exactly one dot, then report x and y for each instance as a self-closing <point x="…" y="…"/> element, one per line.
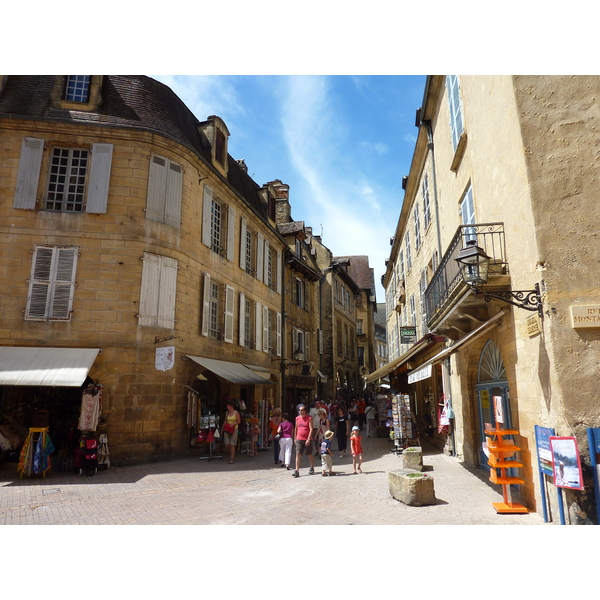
<point x="60" y="367"/>
<point x="234" y="372"/>
<point x="470" y="337"/>
<point x="425" y="341"/>
<point x="260" y="371"/>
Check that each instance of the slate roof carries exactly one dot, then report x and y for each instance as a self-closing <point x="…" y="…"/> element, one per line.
<point x="131" y="101"/>
<point x="358" y="268"/>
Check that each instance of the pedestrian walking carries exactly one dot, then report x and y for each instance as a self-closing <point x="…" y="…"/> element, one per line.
<point x="229" y="431"/>
<point x="274" y="423"/>
<point x="303" y="438"/>
<point x="323" y="426"/>
<point x="356" y="449"/>
<point x="342" y="426"/>
<point x="360" y="412"/>
<point x="286" y="431"/>
<point x="371" y="415"/>
<point x="327" y="454"/>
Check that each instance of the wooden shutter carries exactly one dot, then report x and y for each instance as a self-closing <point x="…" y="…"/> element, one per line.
<point x="279" y="333"/>
<point x="230" y="233"/>
<point x="265" y="327"/>
<point x="157" y="186"/>
<point x="242" y="320"/>
<point x="97" y="198"/>
<point x="320" y="341"/>
<point x="258" y="327"/>
<point x="64" y="283"/>
<point x="229" y="310"/>
<point x="173" y="195"/>
<point x="28" y="176"/>
<point x="243" y="233"/>
<point x="149" y="290"/>
<point x="260" y="256"/>
<point x="306" y="345"/>
<point x="266" y="263"/>
<point x="167" y="292"/>
<point x="278" y="271"/>
<point x="306" y="287"/>
<point x="206" y="305"/>
<point x="207" y="200"/>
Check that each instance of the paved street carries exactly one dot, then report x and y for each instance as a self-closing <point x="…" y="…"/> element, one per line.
<point x="252" y="491"/>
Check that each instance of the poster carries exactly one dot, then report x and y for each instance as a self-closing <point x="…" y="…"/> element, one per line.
<point x="165" y="358"/>
<point x="542" y="439"/>
<point x="498" y="414"/>
<point x="566" y="465"/>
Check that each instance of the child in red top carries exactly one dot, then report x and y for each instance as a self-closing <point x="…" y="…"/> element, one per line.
<point x="356" y="448"/>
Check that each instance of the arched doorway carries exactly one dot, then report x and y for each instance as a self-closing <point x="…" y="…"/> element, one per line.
<point x="491" y="382"/>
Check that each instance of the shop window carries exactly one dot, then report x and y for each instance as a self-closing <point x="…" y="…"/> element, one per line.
<point x="165" y="188"/>
<point x="158" y="290"/>
<point x="51" y="284"/>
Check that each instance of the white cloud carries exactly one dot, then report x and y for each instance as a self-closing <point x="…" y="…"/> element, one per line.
<point x="379" y="148"/>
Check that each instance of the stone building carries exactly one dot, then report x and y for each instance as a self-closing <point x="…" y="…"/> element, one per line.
<point x="504" y="167"/>
<point x="138" y="255"/>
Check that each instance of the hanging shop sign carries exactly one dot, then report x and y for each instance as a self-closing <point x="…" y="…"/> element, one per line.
<point x="419" y="375"/>
<point x="408" y="335"/>
<point x="165" y="358"/>
<point x="566" y="465"/>
<point x="585" y="317"/>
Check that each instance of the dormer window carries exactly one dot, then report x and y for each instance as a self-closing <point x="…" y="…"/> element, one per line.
<point x="220" y="147"/>
<point x="77" y="88"/>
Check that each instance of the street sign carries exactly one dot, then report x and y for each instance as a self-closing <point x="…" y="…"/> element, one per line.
<point x="408" y="335"/>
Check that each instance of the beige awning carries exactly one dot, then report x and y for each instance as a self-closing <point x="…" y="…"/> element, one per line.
<point x="470" y="337"/>
<point x="60" y="367"/>
<point x="397" y="362"/>
<point x="234" y="372"/>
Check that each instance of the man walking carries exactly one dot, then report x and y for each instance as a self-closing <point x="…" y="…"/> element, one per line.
<point x="371" y="414"/>
<point x="303" y="436"/>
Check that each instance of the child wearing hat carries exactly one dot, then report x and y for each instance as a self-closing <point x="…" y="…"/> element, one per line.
<point x="356" y="448"/>
<point x="326" y="454"/>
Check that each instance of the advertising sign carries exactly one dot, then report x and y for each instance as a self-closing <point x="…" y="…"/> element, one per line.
<point x="542" y="439"/>
<point x="498" y="409"/>
<point x="566" y="465"/>
<point x="408" y="335"/>
<point x="165" y="358"/>
<point x="419" y="375"/>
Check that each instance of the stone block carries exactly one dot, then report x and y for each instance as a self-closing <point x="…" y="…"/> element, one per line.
<point x="411" y="487"/>
<point x="412" y="458"/>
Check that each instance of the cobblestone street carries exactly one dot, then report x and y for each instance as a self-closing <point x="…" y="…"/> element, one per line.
<point x="252" y="491"/>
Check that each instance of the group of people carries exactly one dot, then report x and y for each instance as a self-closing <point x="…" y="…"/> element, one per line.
<point x="311" y="434"/>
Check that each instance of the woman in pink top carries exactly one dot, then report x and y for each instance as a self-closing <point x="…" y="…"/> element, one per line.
<point x="286" y="430"/>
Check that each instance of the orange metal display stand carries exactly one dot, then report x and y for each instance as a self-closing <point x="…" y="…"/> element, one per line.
<point x="500" y="450"/>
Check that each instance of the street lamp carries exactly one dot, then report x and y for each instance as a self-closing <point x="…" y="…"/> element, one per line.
<point x="474" y="264"/>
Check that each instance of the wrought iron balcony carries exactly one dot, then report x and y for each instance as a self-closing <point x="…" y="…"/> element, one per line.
<point x="447" y="283"/>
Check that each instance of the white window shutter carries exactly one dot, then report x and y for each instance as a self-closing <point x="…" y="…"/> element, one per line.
<point x="149" y="290"/>
<point x="266" y="263"/>
<point x="173" y="195"/>
<point x="278" y="271"/>
<point x="260" y="257"/>
<point x="243" y="233"/>
<point x="279" y="333"/>
<point x="39" y="283"/>
<point x="258" y="327"/>
<point x="28" y="176"/>
<point x="242" y="320"/>
<point x="307" y="346"/>
<point x="207" y="200"/>
<point x="167" y="291"/>
<point x="230" y="233"/>
<point x="206" y="305"/>
<point x="97" y="197"/>
<point x="265" y="341"/>
<point x="64" y="283"/>
<point x="229" y="316"/>
<point x="157" y="186"/>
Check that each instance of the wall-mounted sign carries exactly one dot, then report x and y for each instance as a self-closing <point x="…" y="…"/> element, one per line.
<point x="585" y="317"/>
<point x="565" y="463"/>
<point x="534" y="325"/>
<point x="419" y="375"/>
<point x="408" y="335"/>
<point x="165" y="358"/>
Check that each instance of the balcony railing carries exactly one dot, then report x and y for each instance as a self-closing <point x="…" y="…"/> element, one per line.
<point x="447" y="280"/>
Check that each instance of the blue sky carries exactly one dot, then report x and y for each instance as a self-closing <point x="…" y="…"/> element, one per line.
<point x="342" y="144"/>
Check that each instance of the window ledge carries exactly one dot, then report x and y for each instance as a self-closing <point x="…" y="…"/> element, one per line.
<point x="460" y="151"/>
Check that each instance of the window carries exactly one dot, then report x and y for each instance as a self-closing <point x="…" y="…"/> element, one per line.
<point x="408" y="254"/>
<point x="359" y="327"/>
<point x="426" y="203"/>
<point x="51" y="284"/>
<point x="157" y="293"/>
<point x="77" y="88"/>
<point x="422" y="288"/>
<point x="456" y="116"/>
<point x="213" y="311"/>
<point x="417" y="228"/>
<point x="247" y="248"/>
<point x="218" y="310"/>
<point x="467" y="214"/>
<point x="218" y="225"/>
<point x="246" y="322"/>
<point x="300" y="294"/>
<point x="361" y="356"/>
<point x="413" y="311"/>
<point x="339" y="340"/>
<point x="66" y="180"/>
<point x="165" y="187"/>
<point x="220" y="147"/>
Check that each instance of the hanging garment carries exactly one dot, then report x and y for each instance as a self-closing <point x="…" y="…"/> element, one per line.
<point x="103" y="452"/>
<point x="91" y="407"/>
